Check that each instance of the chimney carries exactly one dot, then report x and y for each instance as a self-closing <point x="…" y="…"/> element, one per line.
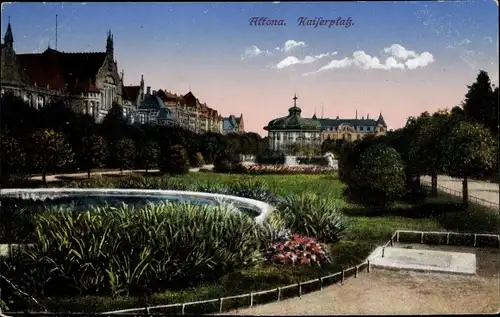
<point x="154" y="92"/>
<point x="368" y="116"/>
<point x="148" y="90"/>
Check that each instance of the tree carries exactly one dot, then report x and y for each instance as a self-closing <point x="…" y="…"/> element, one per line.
<point x="13" y="159"/>
<point x="379" y="176"/>
<point x="468" y="148"/>
<point x="125" y="151"/>
<point x="148" y="155"/>
<point x="480" y="102"/>
<point x="212" y="144"/>
<point x="174" y="160"/>
<point x="49" y="150"/>
<point x="91" y="153"/>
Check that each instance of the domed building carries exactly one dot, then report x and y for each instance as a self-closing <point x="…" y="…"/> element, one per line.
<point x="293" y="130"/>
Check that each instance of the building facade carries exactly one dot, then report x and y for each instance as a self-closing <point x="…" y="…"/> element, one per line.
<point x="189" y="113"/>
<point x="89" y="81"/>
<point x="351" y="129"/>
<point x="233" y="124"/>
<point x="292" y="131"/>
<point x="152" y="110"/>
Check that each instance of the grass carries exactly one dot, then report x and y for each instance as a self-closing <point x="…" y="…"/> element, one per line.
<point x="364" y="233"/>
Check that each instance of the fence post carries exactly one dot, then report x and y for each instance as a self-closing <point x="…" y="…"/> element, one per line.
<point x="475" y="238"/>
<point x="397" y="236"/>
<point x="183" y="310"/>
<point x="300" y="289"/>
<point x="422" y="237"/>
<point x="368" y="269"/>
<point x="220" y="305"/>
<point x="356" y="274"/>
<point x="147" y="310"/>
<point x="383" y="251"/>
<point x="448" y="238"/>
<point x="321" y="283"/>
<point x="343" y="277"/>
<point x="251" y="299"/>
<point x="392" y="242"/>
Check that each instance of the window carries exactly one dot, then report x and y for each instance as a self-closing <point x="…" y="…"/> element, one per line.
<point x="361" y="128"/>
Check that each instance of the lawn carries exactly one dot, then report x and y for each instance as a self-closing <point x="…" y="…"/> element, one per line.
<point x="363" y="233"/>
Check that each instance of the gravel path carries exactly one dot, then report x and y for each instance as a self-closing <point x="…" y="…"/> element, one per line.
<point x="401" y="292"/>
<point x="480" y="189"/>
<point x="53" y="178"/>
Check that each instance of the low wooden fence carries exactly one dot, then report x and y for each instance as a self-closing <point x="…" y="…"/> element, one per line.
<point x="223" y="304"/>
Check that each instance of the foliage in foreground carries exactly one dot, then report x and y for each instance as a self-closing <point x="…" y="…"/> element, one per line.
<point x="298" y="249"/>
<point x="313" y="216"/>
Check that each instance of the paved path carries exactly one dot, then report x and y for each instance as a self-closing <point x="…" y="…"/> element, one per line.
<point x="53" y="178"/>
<point x="393" y="292"/>
<point x="480" y="189"/>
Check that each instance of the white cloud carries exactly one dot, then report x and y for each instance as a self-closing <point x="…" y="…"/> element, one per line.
<point x="400" y="58"/>
<point x="421" y="60"/>
<point x="254" y="51"/>
<point x="399" y="52"/>
<point x="292" y="60"/>
<point x="292" y="44"/>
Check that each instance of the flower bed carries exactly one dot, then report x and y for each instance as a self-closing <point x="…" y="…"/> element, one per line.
<point x="284" y="169"/>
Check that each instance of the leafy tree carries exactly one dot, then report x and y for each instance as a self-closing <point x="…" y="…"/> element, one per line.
<point x="91" y="153"/>
<point x="480" y="102"/>
<point x="212" y="144"/>
<point x="228" y="162"/>
<point x="49" y="150"/>
<point x="125" y="151"/>
<point x="114" y="125"/>
<point x="174" y="160"/>
<point x="13" y="160"/>
<point x="379" y="177"/>
<point x="17" y="116"/>
<point x="468" y="148"/>
<point x="148" y="155"/>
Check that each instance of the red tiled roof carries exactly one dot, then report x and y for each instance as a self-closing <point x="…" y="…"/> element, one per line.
<point x="131" y="93"/>
<point x="61" y="70"/>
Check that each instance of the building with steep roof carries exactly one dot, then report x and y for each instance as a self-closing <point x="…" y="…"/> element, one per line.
<point x="153" y="110"/>
<point x="292" y="131"/>
<point x="233" y="124"/>
<point x="89" y="81"/>
<point x="351" y="129"/>
<point x="189" y="113"/>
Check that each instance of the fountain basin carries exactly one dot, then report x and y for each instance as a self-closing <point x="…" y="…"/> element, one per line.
<point x="260" y="209"/>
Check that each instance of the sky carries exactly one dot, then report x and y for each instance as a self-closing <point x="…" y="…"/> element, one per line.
<point x="398" y="58"/>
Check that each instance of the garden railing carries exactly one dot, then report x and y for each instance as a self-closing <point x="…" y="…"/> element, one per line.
<point x="408" y="236"/>
<point x="454" y="192"/>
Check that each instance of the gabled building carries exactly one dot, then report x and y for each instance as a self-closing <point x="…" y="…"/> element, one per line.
<point x="189" y="113"/>
<point x="152" y="110"/>
<point x="89" y="81"/>
<point x="233" y="124"/>
<point x="351" y="129"/>
<point x="132" y="98"/>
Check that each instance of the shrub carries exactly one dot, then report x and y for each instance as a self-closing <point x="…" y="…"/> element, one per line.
<point x="228" y="162"/>
<point x="197" y="160"/>
<point x="13" y="159"/>
<point x="125" y="153"/>
<point x="379" y="177"/>
<point x="313" y="216"/>
<point x="164" y="246"/>
<point x="174" y="161"/>
<point x="297" y="250"/>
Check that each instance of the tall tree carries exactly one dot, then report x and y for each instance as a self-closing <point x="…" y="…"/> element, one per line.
<point x="468" y="148"/>
<point x="479" y="101"/>
<point x="147" y="155"/>
<point x="49" y="150"/>
<point x="91" y="153"/>
<point x="125" y="152"/>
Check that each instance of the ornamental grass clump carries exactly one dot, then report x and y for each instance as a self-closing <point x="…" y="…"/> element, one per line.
<point x="313" y="216"/>
<point x="126" y="250"/>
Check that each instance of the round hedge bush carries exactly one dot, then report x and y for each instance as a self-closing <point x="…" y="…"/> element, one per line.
<point x="174" y="161"/>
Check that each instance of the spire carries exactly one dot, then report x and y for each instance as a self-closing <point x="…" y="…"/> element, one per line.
<point x="356" y="113"/>
<point x="142" y="82"/>
<point x="121" y="76"/>
<point x="314" y="115"/>
<point x="109" y="44"/>
<point x="8" y="39"/>
<point x="295" y="100"/>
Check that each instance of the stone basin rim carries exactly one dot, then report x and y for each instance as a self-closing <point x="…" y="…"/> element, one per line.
<point x="24" y="193"/>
